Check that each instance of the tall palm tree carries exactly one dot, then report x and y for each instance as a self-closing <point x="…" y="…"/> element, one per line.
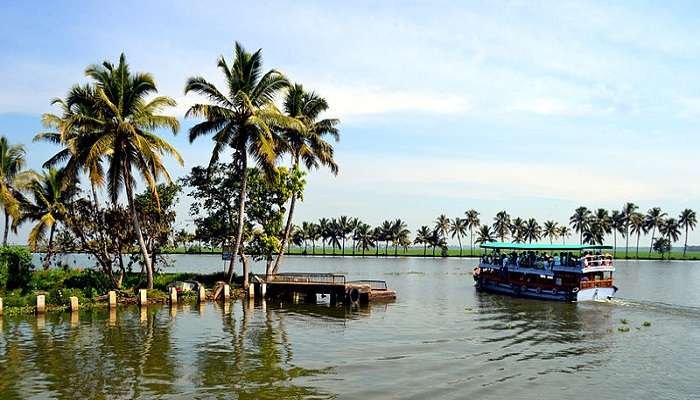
<point x="423" y="237"/>
<point x="345" y="225"/>
<point x="484" y="235"/>
<point x="442" y="225"/>
<point x="354" y="223"/>
<point x="604" y="220"/>
<point x="564" y="232"/>
<point x="12" y="160"/>
<point x="307" y="229"/>
<point x="579" y="221"/>
<point x="458" y="228"/>
<point x="472" y="217"/>
<point x="533" y="231"/>
<point x="323" y="228"/>
<point x="671" y="229"/>
<point x="399" y="233"/>
<point x="243" y="120"/>
<point x="436" y="239"/>
<point x="687" y="220"/>
<point x="627" y="211"/>
<point x="637" y="227"/>
<point x="653" y="220"/>
<point x="550" y="230"/>
<point x="305" y="143"/>
<point x="121" y="121"/>
<point x="594" y="233"/>
<point x="364" y="237"/>
<point x="617" y="225"/>
<point x="50" y="198"/>
<point x="517" y="229"/>
<point x="501" y="224"/>
<point x="377" y="236"/>
<point x="335" y="234"/>
<point x="385" y="229"/>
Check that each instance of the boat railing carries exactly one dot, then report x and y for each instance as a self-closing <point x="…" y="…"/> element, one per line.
<point x="308" y="277"/>
<point x="373" y="284"/>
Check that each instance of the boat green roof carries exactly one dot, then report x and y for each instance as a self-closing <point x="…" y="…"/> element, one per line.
<point x="537" y="246"/>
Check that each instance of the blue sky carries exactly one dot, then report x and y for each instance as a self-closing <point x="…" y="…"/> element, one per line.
<point x="532" y="107"/>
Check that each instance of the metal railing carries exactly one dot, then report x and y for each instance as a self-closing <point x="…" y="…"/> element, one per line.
<point x="600" y="283"/>
<point x="308" y="277"/>
<point x="373" y="284"/>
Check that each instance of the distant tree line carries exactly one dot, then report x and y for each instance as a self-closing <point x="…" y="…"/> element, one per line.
<point x="592" y="227"/>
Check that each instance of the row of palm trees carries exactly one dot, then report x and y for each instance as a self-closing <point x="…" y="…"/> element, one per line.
<point x="592" y="227"/>
<point x="107" y="127"/>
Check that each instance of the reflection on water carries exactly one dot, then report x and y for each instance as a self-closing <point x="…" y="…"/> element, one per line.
<point x="440" y="339"/>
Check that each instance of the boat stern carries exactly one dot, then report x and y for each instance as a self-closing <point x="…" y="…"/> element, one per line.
<point x="594" y="294"/>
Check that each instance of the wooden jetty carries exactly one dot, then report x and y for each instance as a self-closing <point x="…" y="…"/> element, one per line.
<point x="307" y="285"/>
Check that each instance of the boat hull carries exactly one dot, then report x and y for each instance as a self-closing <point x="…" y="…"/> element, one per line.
<point x="592" y="294"/>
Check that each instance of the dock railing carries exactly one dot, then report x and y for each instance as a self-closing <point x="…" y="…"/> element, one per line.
<point x="373" y="284"/>
<point x="308" y="277"/>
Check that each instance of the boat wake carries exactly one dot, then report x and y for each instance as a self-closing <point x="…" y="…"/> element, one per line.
<point x="656" y="306"/>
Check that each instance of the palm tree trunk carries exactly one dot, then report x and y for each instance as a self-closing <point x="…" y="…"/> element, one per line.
<point x="342" y="252"/>
<point x="323" y="243"/>
<point x="425" y="249"/>
<point x="653" y="231"/>
<point x="638" y="234"/>
<point x="47" y="259"/>
<point x="7" y="228"/>
<point x="241" y="211"/>
<point x="396" y="249"/>
<point x="434" y="251"/>
<point x="471" y="242"/>
<point x="288" y="226"/>
<point x="685" y="246"/>
<point x="137" y="229"/>
<point x="627" y="239"/>
<point x="459" y="240"/>
<point x="386" y="248"/>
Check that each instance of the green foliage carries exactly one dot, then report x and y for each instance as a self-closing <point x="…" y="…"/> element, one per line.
<point x="662" y="246"/>
<point x="15" y="267"/>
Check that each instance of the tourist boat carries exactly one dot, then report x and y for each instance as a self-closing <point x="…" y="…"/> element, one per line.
<point x="551" y="272"/>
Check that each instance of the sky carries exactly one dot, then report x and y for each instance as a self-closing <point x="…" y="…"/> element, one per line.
<point x="531" y="107"/>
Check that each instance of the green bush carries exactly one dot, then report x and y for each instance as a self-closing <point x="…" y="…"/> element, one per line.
<point x="15" y="267"/>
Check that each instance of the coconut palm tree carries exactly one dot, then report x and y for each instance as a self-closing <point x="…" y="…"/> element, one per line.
<point x="399" y="233"/>
<point x="604" y="221"/>
<point x="12" y="160"/>
<point x="345" y="225"/>
<point x="122" y="121"/>
<point x="306" y="143"/>
<point x="501" y="224"/>
<point x="671" y="229"/>
<point x="594" y="233"/>
<point x="579" y="221"/>
<point x="472" y="217"/>
<point x="637" y="227"/>
<point x="363" y="237"/>
<point x="307" y="229"/>
<point x="48" y="206"/>
<point x="617" y="225"/>
<point x="423" y="237"/>
<point x="436" y="239"/>
<point x="354" y="223"/>
<point x="323" y="228"/>
<point x="442" y="225"/>
<point x="314" y="235"/>
<point x="385" y="229"/>
<point x="484" y="235"/>
<point x="627" y="211"/>
<point x="335" y="234"/>
<point x="533" y="231"/>
<point x="550" y="230"/>
<point x="377" y="236"/>
<point x="564" y="232"/>
<point x="458" y="228"/>
<point x="653" y="220"/>
<point x="687" y="220"/>
<point x="517" y="229"/>
<point x="243" y="120"/>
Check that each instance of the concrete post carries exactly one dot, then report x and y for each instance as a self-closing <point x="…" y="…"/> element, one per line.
<point x="143" y="297"/>
<point x="112" y="299"/>
<point x="0" y="305"/>
<point x="74" y="303"/>
<point x="40" y="303"/>
<point x="227" y="292"/>
<point x="202" y="294"/>
<point x="251" y="291"/>
<point x="173" y="295"/>
<point x="263" y="290"/>
<point x="112" y="316"/>
<point x="74" y="319"/>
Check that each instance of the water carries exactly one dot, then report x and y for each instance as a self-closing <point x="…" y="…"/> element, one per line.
<point x="440" y="339"/>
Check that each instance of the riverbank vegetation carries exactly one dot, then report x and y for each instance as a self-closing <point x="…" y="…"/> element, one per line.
<point x="110" y="134"/>
<point x="592" y="226"/>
